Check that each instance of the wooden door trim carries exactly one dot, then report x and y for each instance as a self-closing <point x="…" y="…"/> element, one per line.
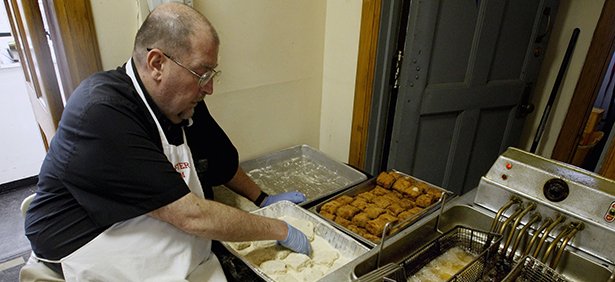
<point x="368" y="41"/>
<point x="40" y="76"/>
<point x="72" y="29"/>
<point x="595" y="67"/>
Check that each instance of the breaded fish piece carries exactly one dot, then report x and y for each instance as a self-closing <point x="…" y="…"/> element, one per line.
<point x="406" y="203"/>
<point x="331" y="207"/>
<point x="374" y="211"/>
<point x="360" y="203"/>
<point x="360" y="219"/>
<point x="395" y="209"/>
<point x="387" y="217"/>
<point x="371" y="237"/>
<point x="434" y="191"/>
<point x="328" y="215"/>
<point x="368" y="196"/>
<point x="425" y="200"/>
<point x="385" y="180"/>
<point x="396" y="175"/>
<point x="414" y="191"/>
<point x="375" y="226"/>
<point x="342" y="221"/>
<point x="379" y="191"/>
<point x="347" y="211"/>
<point x="382" y="202"/>
<point x="345" y="199"/>
<point x="415" y="210"/>
<point x="356" y="229"/>
<point x="401" y="185"/>
<point x="391" y="197"/>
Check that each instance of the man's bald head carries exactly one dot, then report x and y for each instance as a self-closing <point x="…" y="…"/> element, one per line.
<point x="171" y="27"/>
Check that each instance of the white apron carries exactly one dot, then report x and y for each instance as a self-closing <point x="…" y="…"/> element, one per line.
<point x="144" y="248"/>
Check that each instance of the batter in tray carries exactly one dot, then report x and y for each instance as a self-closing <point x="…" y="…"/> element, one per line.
<point x="283" y="265"/>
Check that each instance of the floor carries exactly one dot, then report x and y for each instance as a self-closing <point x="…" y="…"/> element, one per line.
<point x="14" y="246"/>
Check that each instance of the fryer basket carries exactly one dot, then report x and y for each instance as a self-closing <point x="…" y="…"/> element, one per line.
<point x="531" y="269"/>
<point x="483" y="244"/>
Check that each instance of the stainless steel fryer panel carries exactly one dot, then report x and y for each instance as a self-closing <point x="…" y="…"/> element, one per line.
<point x="523" y="174"/>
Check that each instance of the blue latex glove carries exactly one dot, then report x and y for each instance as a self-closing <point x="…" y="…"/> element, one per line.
<point x="293" y="196"/>
<point x="296" y="241"/>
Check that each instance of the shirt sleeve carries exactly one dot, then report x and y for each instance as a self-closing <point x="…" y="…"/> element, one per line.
<point x="116" y="168"/>
<point x="209" y="142"/>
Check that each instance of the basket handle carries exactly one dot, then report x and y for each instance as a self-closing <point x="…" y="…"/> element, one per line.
<point x="381" y="247"/>
<point x="389" y="224"/>
<point x="444" y="195"/>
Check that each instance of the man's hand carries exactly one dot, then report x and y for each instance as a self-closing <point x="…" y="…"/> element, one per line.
<point x="294" y="196"/>
<point x="296" y="241"/>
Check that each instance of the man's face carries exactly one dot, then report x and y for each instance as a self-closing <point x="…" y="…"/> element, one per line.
<point x="180" y="91"/>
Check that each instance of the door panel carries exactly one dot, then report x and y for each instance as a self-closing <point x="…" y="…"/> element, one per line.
<point x="452" y="42"/>
<point x="433" y="145"/>
<point x="511" y="51"/>
<point x="466" y="65"/>
<point x="71" y="29"/>
<point x="37" y="64"/>
<point x="487" y="142"/>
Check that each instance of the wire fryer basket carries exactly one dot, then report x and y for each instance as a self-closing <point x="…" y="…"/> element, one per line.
<point x="482" y="244"/>
<point x="531" y="269"/>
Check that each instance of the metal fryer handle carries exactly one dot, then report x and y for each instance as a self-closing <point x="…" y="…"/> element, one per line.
<point x="444" y="195"/>
<point x="389" y="224"/>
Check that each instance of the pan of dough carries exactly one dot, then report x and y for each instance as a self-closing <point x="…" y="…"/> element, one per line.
<point x="331" y="247"/>
<point x="364" y="210"/>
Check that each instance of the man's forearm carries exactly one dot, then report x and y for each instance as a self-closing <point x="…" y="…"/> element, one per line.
<point x="217" y="221"/>
<point x="243" y="185"/>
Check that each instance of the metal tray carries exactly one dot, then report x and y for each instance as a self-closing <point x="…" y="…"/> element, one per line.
<point x="368" y="186"/>
<point x="302" y="168"/>
<point x="346" y="245"/>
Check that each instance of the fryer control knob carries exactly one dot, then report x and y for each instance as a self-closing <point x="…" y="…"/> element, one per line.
<point x="556" y="190"/>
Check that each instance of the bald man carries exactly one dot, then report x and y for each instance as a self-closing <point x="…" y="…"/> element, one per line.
<point x="125" y="189"/>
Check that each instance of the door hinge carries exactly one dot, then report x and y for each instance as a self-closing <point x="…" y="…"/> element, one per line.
<point x="397" y="69"/>
<point x="525" y="106"/>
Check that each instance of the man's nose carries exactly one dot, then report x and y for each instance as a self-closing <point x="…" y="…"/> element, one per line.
<point x="208" y="88"/>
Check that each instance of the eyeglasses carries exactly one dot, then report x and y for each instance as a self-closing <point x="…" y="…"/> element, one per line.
<point x="203" y="79"/>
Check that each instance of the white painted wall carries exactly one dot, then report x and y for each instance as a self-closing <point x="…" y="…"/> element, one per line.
<point x="21" y="147"/>
<point x="288" y="68"/>
<point x="339" y="75"/>
<point x="571" y="14"/>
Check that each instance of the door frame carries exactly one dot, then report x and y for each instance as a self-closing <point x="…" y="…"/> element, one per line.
<point x="596" y="64"/>
<point x="366" y="65"/>
<point x="582" y="102"/>
<point x="71" y="28"/>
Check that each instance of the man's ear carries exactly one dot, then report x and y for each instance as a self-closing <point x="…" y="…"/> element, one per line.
<point x="155" y="59"/>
